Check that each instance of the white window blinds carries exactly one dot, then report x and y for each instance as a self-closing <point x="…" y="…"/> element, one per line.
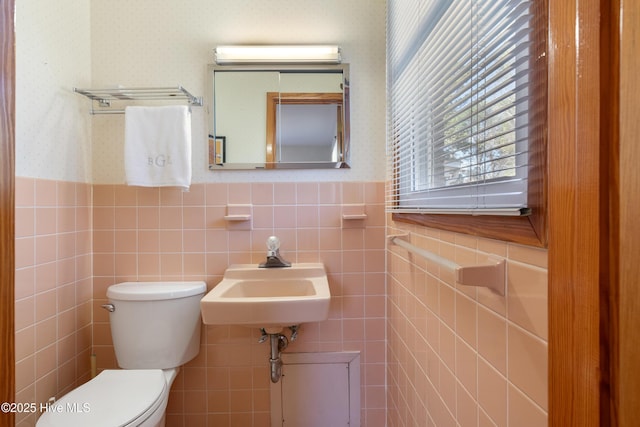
<point x="458" y="99"/>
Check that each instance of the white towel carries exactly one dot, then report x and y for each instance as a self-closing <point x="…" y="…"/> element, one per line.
<point x="157" y="146"/>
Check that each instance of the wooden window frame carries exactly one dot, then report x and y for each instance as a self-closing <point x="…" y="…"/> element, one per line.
<point x="527" y="230"/>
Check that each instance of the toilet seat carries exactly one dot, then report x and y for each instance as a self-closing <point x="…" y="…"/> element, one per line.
<point x="114" y="398"/>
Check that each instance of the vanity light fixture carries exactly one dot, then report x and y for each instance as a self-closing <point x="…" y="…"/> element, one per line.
<point x="271" y="54"/>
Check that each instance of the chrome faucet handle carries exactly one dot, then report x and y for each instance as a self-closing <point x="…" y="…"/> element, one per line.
<point x="273" y="244"/>
<point x="273" y="255"/>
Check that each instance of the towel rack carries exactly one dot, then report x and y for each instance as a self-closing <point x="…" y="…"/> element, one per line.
<point x="491" y="275"/>
<point x="104" y="97"/>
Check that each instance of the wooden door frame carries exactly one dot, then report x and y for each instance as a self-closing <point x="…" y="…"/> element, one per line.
<point x="7" y="207"/>
<point x="575" y="223"/>
<point x="625" y="396"/>
<point x="274" y="99"/>
<point x="594" y="301"/>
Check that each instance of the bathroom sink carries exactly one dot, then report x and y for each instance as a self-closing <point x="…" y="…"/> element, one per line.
<point x="270" y="298"/>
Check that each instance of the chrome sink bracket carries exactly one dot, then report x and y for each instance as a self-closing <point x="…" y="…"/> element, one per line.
<point x="294" y="332"/>
<point x="283" y="342"/>
<point x="263" y="337"/>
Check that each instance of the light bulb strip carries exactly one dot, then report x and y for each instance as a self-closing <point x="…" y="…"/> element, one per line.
<point x="289" y="54"/>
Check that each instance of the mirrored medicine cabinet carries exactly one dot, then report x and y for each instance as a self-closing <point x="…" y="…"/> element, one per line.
<point x="278" y="116"/>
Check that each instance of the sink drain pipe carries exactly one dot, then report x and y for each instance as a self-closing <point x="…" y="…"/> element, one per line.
<point x="279" y="342"/>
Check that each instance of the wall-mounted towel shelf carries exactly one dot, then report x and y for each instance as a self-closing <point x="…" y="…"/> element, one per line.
<point x="491" y="275"/>
<point x="104" y="97"/>
<point x="239" y="217"/>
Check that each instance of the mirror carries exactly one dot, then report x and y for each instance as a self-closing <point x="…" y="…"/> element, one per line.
<point x="279" y="117"/>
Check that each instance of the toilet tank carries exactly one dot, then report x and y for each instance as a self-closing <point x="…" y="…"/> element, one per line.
<point x="155" y="325"/>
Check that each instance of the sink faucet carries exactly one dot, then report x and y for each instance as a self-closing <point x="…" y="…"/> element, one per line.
<point x="274" y="259"/>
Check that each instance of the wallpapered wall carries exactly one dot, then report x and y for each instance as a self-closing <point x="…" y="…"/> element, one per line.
<point x="165" y="43"/>
<point x="160" y="43"/>
<point x="53" y="54"/>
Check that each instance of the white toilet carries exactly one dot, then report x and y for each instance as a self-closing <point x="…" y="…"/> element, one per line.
<point x="156" y="329"/>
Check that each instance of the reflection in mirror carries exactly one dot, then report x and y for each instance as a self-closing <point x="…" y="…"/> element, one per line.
<point x="280" y="117"/>
<point x="304" y="127"/>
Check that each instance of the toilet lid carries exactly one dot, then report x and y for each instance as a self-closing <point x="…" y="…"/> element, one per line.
<point x="114" y="398"/>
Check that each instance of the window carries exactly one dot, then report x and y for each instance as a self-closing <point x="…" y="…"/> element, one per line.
<point x="466" y="95"/>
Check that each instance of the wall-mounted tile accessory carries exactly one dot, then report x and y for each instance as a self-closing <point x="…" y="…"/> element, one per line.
<point x="239" y="217"/>
<point x="491" y="275"/>
<point x="353" y="216"/>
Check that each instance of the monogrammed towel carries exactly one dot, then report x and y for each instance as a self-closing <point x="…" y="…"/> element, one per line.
<point x="157" y="146"/>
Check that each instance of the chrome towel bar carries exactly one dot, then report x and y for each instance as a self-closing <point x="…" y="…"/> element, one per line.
<point x="104" y="97"/>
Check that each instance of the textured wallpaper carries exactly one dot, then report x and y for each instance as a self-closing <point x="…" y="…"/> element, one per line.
<point x="83" y="43"/>
<point x="53" y="54"/>
<point x="165" y="43"/>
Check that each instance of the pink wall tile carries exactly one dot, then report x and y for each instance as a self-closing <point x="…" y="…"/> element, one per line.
<point x="25" y="192"/>
<point x="196" y="195"/>
<point x="66" y="219"/>
<point x="45" y="220"/>
<point x="527" y="298"/>
<point x="239" y="193"/>
<point x="103" y="218"/>
<point x="46" y="248"/>
<point x="353" y="192"/>
<point x="148" y="196"/>
<point x="103" y="195"/>
<point x="284" y="193"/>
<point x="25" y="313"/>
<point x="471" y="347"/>
<point x="467" y="367"/>
<point x="263" y="217"/>
<point x="148" y="217"/>
<point x="523" y="411"/>
<point x="330" y="193"/>
<point x="147" y="234"/>
<point x="125" y="218"/>
<point x="25" y="282"/>
<point x="467" y="407"/>
<point x="50" y="271"/>
<point x="306" y="217"/>
<point x="25" y="227"/>
<point x="67" y="245"/>
<point x="46" y="193"/>
<point x="125" y="196"/>
<point x="527" y="364"/>
<point x="171" y="218"/>
<point x="492" y="393"/>
<point x="262" y="193"/>
<point x="46" y="305"/>
<point x="492" y="339"/>
<point x="25" y="342"/>
<point x="307" y="193"/>
<point x="170" y="196"/>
